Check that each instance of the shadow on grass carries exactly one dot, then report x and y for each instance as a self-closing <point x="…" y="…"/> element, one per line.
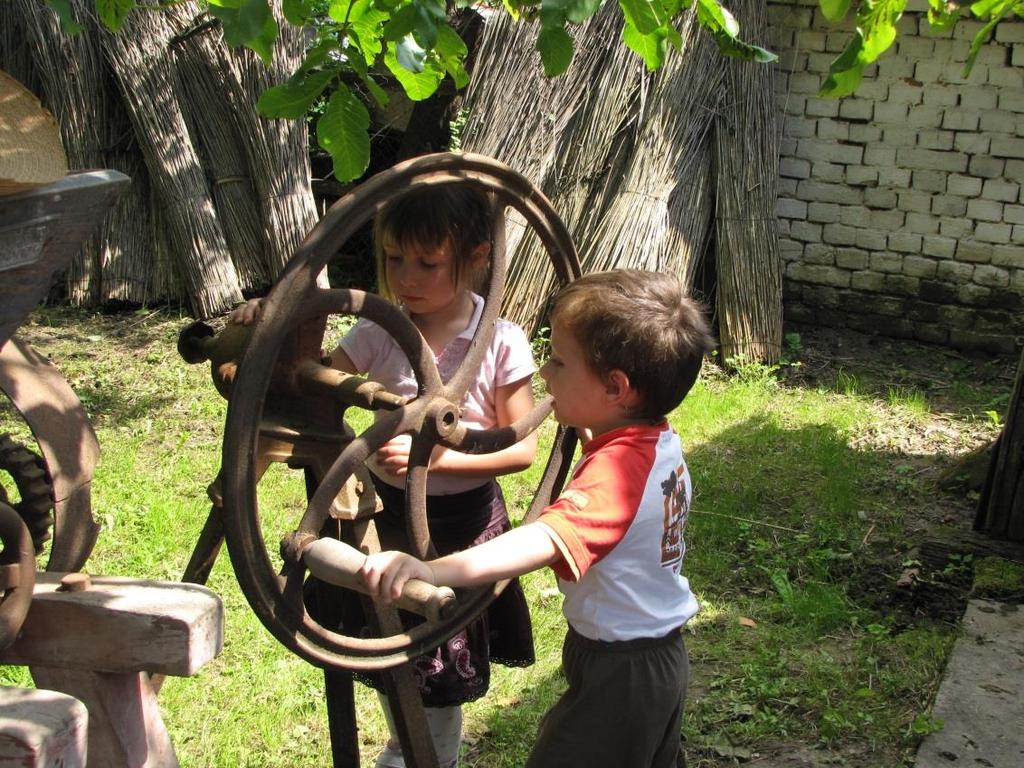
<point x="807" y="504"/>
<point x="803" y="535"/>
<point x="507" y="734"/>
<point x="961" y="383"/>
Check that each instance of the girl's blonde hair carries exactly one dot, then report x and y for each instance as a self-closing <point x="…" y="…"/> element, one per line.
<point x="460" y="216"/>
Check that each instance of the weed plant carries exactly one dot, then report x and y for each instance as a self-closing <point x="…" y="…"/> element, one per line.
<point x="805" y="489"/>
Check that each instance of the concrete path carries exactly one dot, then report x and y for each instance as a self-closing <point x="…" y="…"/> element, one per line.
<point x="981" y="699"/>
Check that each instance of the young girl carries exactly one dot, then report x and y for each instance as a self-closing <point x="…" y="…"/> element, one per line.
<point x="432" y="245"/>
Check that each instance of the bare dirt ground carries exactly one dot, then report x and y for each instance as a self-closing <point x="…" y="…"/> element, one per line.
<point x="960" y="389"/>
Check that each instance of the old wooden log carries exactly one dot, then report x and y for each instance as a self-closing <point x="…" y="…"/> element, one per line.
<point x="944" y="543"/>
<point x="1001" y="506"/>
<point x="42" y="729"/>
<point x="100" y="644"/>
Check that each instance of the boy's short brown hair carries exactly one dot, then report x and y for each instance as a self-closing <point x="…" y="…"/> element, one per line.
<point x="643" y="324"/>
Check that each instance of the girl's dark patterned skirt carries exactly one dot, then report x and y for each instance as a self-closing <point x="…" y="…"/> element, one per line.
<point x="459" y="670"/>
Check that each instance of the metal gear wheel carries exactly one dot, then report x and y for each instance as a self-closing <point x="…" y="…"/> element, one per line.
<point x="35" y="487"/>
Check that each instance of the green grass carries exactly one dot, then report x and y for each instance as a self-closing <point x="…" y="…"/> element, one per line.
<point x="804" y="490"/>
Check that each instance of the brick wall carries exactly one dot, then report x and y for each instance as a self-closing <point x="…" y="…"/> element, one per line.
<point x="901" y="208"/>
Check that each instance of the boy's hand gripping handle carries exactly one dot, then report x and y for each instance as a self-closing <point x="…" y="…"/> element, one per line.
<point x="337" y="563"/>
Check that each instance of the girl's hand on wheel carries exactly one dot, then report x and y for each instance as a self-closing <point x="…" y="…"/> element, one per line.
<point x="393" y="456"/>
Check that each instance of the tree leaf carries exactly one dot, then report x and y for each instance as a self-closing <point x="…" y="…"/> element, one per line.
<point x="458" y="73"/>
<point x="650" y="48"/>
<point x="452" y="50"/>
<point x="578" y="11"/>
<point x="513" y="9"/>
<point x="673" y="36"/>
<point x="851" y="54"/>
<point x="417" y="85"/>
<point x="293" y="98"/>
<point x="983" y="8"/>
<point x="433" y="8"/>
<point x="318" y="54"/>
<point x="402" y="23"/>
<point x="67" y="16"/>
<point x="249" y="23"/>
<point x="710" y="16"/>
<point x="876" y="22"/>
<point x="846" y="70"/>
<point x="409" y="54"/>
<point x="297" y="12"/>
<point x="368" y="33"/>
<point x="424" y="31"/>
<point x="378" y="93"/>
<point x="942" y="17"/>
<point x="556" y="49"/>
<point x="834" y="10"/>
<point x="732" y="27"/>
<point x="449" y="44"/>
<point x="981" y="37"/>
<point x="111" y="12"/>
<point x="342" y="131"/>
<point x="733" y="46"/>
<point x="641" y="15"/>
<point x="725" y="30"/>
<point x="878" y="41"/>
<point x="341" y="10"/>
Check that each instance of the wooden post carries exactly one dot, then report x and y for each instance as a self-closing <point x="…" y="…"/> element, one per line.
<point x="125" y="724"/>
<point x="41" y="729"/>
<point x="99" y="639"/>
<point x="1001" y="507"/>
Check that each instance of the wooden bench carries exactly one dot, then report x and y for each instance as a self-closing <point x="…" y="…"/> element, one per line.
<point x="101" y="644"/>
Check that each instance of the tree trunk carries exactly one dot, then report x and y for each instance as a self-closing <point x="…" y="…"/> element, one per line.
<point x="278" y="150"/>
<point x="215" y="134"/>
<point x="1001" y="507"/>
<point x="75" y="84"/>
<point x="148" y="84"/>
<point x="747" y="263"/>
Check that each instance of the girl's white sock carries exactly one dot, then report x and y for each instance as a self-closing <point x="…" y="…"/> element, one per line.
<point x="445" y="725"/>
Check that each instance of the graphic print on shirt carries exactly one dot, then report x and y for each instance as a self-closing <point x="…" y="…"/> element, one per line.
<point x="676" y="511"/>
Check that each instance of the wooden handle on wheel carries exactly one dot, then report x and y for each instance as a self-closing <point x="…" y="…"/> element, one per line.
<point x="337" y="563"/>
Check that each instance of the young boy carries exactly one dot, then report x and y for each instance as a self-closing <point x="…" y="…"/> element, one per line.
<point x="626" y="346"/>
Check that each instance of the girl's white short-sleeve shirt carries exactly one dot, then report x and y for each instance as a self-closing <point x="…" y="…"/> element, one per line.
<point x="508" y="359"/>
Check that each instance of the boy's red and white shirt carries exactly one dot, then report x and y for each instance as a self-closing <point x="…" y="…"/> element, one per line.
<point x="619" y="526"/>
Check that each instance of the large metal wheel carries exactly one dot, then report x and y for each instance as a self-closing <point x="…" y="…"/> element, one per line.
<point x="17" y="574"/>
<point x="431" y="418"/>
<point x="28" y="472"/>
<point x="44" y="228"/>
<point x="54" y="487"/>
